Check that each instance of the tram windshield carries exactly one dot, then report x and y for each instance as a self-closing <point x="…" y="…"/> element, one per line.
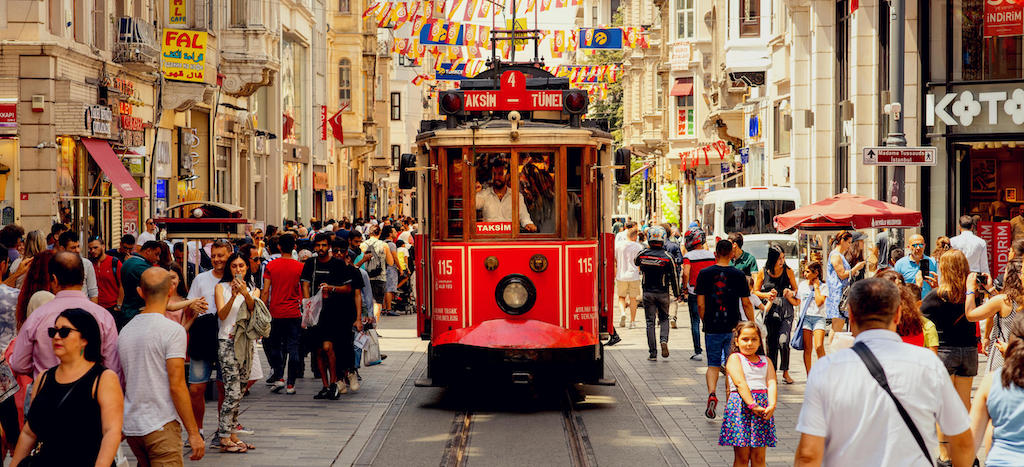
<point x="507" y="193"/>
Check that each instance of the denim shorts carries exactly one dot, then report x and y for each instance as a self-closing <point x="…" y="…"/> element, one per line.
<point x="200" y="371"/>
<point x="960" y="361"/>
<point x="814" y="323"/>
<point x="718" y="346"/>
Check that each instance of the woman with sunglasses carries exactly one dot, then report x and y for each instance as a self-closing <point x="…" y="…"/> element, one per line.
<point x="77" y="406"/>
<point x="233" y="292"/>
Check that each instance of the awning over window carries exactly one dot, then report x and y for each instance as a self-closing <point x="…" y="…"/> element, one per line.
<point x="683" y="87"/>
<point x="111" y="166"/>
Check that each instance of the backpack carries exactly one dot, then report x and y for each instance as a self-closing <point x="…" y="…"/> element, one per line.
<point x="375" y="265"/>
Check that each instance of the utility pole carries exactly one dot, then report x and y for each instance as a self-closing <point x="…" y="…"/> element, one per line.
<point x="896" y="137"/>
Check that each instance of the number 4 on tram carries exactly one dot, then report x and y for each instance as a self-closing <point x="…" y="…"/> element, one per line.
<point x="515" y="260"/>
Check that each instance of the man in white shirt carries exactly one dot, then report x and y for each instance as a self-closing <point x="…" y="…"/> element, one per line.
<point x="68" y="241"/>
<point x="496" y="202"/>
<point x="149" y="234"/>
<point x="152" y="351"/>
<point x="627" y="277"/>
<point x="973" y="246"/>
<point x="848" y="419"/>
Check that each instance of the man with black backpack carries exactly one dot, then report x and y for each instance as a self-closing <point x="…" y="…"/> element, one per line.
<point x="375" y="253"/>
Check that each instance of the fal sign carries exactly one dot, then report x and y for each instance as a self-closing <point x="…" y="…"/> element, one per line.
<point x="962" y="108"/>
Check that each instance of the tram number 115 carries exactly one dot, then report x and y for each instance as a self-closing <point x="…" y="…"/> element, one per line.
<point x="444" y="267"/>
<point x="586" y="265"/>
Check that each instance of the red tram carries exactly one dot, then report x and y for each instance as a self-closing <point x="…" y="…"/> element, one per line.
<point x="515" y="262"/>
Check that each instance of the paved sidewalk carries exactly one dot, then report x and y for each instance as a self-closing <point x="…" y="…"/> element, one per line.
<point x="675" y="390"/>
<point x="298" y="430"/>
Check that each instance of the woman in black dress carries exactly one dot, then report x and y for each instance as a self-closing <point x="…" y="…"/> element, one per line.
<point x="77" y="406"/>
<point x="776" y="286"/>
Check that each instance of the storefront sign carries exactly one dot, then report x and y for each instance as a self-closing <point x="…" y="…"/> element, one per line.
<point x="680" y="56"/>
<point x="176" y="12"/>
<point x="998" y="236"/>
<point x="130" y="216"/>
<point x="897" y="156"/>
<point x="971" y="107"/>
<point x="120" y="85"/>
<point x="8" y="113"/>
<point x="323" y="123"/>
<point x="330" y="196"/>
<point x="319" y="180"/>
<point x="183" y="55"/>
<point x="295" y="153"/>
<point x="161" y="189"/>
<point x="98" y="119"/>
<point x="1004" y="18"/>
<point x="493" y="227"/>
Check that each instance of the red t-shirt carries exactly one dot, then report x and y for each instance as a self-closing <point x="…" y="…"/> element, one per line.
<point x="109" y="284"/>
<point x="285" y="292"/>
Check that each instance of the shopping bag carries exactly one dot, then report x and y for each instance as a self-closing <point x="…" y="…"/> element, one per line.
<point x="371" y="350"/>
<point x="311" y="309"/>
<point x="797" y="342"/>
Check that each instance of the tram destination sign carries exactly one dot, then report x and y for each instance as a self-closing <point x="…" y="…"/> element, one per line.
<point x="899" y="156"/>
<point x="513" y="95"/>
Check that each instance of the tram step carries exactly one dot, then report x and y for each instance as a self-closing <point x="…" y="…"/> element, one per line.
<point x="606" y="382"/>
<point x="424" y="382"/>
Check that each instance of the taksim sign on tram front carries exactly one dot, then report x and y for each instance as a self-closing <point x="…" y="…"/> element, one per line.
<point x="513" y="95"/>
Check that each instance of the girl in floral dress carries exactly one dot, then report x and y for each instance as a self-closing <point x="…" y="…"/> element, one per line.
<point x="748" y="424"/>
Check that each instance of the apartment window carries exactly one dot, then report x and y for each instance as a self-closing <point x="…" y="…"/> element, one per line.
<point x="593" y="15"/>
<point x="843" y="127"/>
<point x="750" y="18"/>
<point x="396" y="152"/>
<point x="684" y="19"/>
<point x="380" y="142"/>
<point x="685" y="116"/>
<point x="239" y="11"/>
<point x="396" y="106"/>
<point x="985" y="50"/>
<point x="344" y="6"/>
<point x="99" y="25"/>
<point x="344" y="82"/>
<point x="378" y="89"/>
<point x="783" y="128"/>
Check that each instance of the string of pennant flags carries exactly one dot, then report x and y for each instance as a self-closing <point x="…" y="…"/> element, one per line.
<point x="579" y="75"/>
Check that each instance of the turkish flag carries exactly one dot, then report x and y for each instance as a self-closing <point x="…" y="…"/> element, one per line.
<point x="335" y="122"/>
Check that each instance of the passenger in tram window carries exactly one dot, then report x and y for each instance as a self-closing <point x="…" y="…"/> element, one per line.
<point x="537" y="189"/>
<point x="493" y="200"/>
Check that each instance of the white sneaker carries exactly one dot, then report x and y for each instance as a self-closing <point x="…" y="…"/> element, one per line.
<point x="632" y="324"/>
<point x="353" y="382"/>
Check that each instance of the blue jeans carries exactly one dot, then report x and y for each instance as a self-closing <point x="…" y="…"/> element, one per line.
<point x="691" y="303"/>
<point x="282" y="347"/>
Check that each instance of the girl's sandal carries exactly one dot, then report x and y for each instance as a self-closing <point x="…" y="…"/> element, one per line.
<point x="233" y="447"/>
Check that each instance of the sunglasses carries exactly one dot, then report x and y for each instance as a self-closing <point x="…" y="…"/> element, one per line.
<point x="918" y="245"/>
<point x="62" y="332"/>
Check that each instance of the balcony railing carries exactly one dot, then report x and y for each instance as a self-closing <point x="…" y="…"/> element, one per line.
<point x="136" y="44"/>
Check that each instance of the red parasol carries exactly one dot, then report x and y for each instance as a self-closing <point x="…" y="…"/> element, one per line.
<point x="848" y="211"/>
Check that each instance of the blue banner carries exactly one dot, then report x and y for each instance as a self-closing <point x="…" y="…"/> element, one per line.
<point x="429" y="35"/>
<point x="161" y="189"/>
<point x="610" y="38"/>
<point x="448" y="74"/>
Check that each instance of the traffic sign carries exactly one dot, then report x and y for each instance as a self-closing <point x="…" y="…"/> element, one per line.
<point x="899" y="156"/>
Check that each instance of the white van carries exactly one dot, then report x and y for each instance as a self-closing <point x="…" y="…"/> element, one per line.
<point x="751" y="211"/>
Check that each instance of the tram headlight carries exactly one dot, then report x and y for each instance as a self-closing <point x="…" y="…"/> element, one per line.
<point x="450" y="102"/>
<point x="575" y="102"/>
<point x="515" y="294"/>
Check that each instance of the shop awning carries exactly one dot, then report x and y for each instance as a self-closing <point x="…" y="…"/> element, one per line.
<point x="111" y="166"/>
<point x="683" y="87"/>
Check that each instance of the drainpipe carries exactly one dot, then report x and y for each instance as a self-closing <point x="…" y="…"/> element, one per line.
<point x="896" y="137"/>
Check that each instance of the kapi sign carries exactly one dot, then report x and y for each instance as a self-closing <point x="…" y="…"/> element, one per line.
<point x="981" y="108"/>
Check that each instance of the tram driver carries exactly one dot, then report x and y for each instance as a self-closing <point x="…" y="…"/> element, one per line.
<point x="495" y="200"/>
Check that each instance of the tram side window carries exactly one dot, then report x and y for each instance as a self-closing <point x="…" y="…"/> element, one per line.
<point x="456" y="176"/>
<point x="574" y="184"/>
<point x="537" y="190"/>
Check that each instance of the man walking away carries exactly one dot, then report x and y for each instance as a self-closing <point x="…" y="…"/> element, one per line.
<point x="718" y="286"/>
<point x="152" y="351"/>
<point x="68" y="241"/>
<point x="848" y="418"/>
<point x="281" y="290"/>
<point x="973" y="246"/>
<point x="676" y="254"/>
<point x="659" y="276"/>
<point x="697" y="258"/>
<point x="627" y="277"/>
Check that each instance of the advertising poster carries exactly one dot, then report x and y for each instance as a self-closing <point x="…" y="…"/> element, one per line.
<point x="601" y="38"/>
<point x="1004" y="18"/>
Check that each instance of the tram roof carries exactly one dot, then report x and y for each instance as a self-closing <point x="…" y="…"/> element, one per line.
<point x="496" y="132"/>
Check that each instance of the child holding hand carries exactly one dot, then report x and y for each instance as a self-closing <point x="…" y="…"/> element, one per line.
<point x="748" y="424"/>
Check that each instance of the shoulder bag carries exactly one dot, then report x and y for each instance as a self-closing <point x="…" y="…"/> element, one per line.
<point x="878" y="373"/>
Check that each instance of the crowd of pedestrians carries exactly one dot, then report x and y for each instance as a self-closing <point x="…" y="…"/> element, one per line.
<point x="105" y="344"/>
<point x="892" y="340"/>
